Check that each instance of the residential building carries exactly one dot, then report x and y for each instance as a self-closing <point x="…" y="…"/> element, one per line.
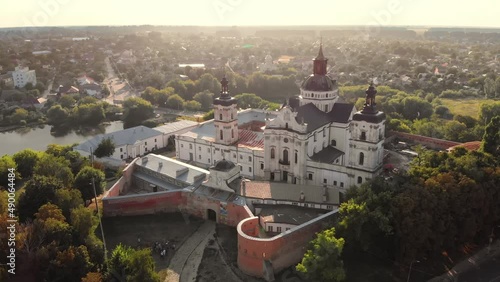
<point x="23" y="76"/>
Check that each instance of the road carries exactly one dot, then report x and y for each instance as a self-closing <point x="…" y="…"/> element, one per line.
<point x="119" y="89"/>
<point x="486" y="272"/>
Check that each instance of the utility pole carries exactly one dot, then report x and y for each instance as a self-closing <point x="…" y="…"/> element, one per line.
<point x="409" y="272"/>
<point x="97" y="207"/>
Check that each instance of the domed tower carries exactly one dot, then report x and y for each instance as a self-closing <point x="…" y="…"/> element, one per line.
<point x="367" y="136"/>
<point x="225" y="116"/>
<point x="319" y="88"/>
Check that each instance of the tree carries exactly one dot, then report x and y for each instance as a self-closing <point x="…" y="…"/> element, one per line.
<point x="38" y="192"/>
<point x="68" y="200"/>
<point x="205" y="98"/>
<point x="127" y="264"/>
<point x="137" y="110"/>
<point x="57" y="115"/>
<point x="105" y="148"/>
<point x="322" y="261"/>
<point x="89" y="114"/>
<point x="67" y="101"/>
<point x="83" y="182"/>
<point x="50" y="221"/>
<point x="83" y="223"/>
<point x="58" y="167"/>
<point x="19" y="115"/>
<point x="192" y="105"/>
<point x="175" y="102"/>
<point x="491" y="138"/>
<point x="26" y="161"/>
<point x="69" y="265"/>
<point x="6" y="165"/>
<point x="489" y="88"/>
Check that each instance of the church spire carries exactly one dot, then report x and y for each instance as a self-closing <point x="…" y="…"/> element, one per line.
<point x="319" y="63"/>
<point x="369" y="106"/>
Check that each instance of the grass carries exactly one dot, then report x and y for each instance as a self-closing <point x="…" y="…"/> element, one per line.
<point x="466" y="107"/>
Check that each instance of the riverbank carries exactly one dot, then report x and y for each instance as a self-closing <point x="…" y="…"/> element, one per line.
<point x="14" y="127"/>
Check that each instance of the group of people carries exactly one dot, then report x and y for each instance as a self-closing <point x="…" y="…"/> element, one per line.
<point x="162" y="250"/>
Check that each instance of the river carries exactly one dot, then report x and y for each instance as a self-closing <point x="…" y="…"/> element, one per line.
<point x="38" y="138"/>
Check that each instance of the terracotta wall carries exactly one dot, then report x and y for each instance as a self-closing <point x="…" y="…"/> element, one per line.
<point x="430" y="142"/>
<point x="143" y="204"/>
<point x="282" y="251"/>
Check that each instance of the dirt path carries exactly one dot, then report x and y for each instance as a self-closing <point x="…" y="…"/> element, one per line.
<point x="180" y="268"/>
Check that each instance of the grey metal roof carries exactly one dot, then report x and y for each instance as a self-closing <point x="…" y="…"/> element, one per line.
<point x="182" y="171"/>
<point x="316" y="118"/>
<point x="122" y="137"/>
<point x="173" y="127"/>
<point x="287" y="214"/>
<point x="327" y="155"/>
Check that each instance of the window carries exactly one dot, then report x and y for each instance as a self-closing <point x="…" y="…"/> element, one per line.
<point x="208" y="150"/>
<point x="199" y="157"/>
<point x="315" y="139"/>
<point x="155" y="139"/>
<point x="272" y="153"/>
<point x="209" y="161"/>
<point x="232" y="133"/>
<point x="312" y="95"/>
<point x="269" y="228"/>
<point x="285" y="156"/>
<point x="329" y="207"/>
<point x="324" y="133"/>
<point x="324" y="180"/>
<point x="182" y="145"/>
<point x="361" y="158"/>
<point x="287" y="229"/>
<point x="278" y="229"/>
<point x="221" y="135"/>
<point x="241" y="157"/>
<point x="360" y="180"/>
<point x="261" y="165"/>
<point x="121" y="156"/>
<point x="310" y="176"/>
<point x="234" y="156"/>
<point x="335" y="182"/>
<point x="363" y="135"/>
<point x="241" y="168"/>
<point x="145" y="143"/>
<point x="272" y="176"/>
<point x="295" y="204"/>
<point x="249" y="158"/>
<point x="294" y="181"/>
<point x="341" y="184"/>
<point x="337" y="161"/>
<point x="232" y="116"/>
<point x="306" y="205"/>
<point x="296" y="156"/>
<point x="249" y="169"/>
<point x="121" y="149"/>
<point x="326" y="108"/>
<point x="190" y="146"/>
<point x="199" y="148"/>
<point x="286" y="125"/>
<point x="220" y="116"/>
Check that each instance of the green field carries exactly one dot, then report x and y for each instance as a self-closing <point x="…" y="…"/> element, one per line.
<point x="466" y="107"/>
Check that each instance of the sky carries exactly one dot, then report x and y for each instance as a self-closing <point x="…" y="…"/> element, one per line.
<point x="478" y="13"/>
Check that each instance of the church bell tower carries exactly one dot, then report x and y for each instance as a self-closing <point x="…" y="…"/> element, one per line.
<point x="225" y="116"/>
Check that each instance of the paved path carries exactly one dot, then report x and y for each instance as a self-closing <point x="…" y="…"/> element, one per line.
<point x="180" y="268"/>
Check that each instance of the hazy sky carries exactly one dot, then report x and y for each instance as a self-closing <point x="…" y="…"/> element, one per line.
<point x="479" y="13"/>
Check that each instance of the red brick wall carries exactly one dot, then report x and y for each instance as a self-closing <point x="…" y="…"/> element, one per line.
<point x="282" y="251"/>
<point x="430" y="142"/>
<point x="143" y="204"/>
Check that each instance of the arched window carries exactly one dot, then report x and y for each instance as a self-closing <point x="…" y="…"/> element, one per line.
<point x="221" y="135"/>
<point x="285" y="156"/>
<point x="296" y="156"/>
<point x="232" y="133"/>
<point x="231" y="115"/>
<point x="220" y="116"/>
<point x="363" y="135"/>
<point x="272" y="153"/>
<point x="326" y="108"/>
<point x="360" y="180"/>
<point x="286" y="125"/>
<point x="361" y="158"/>
<point x="334" y="142"/>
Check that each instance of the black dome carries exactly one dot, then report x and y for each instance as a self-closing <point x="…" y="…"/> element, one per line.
<point x="224" y="165"/>
<point x="318" y="83"/>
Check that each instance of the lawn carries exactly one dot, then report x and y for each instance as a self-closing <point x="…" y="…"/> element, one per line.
<point x="466" y="107"/>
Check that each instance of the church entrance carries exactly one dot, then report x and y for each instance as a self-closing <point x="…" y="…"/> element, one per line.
<point x="285" y="176"/>
<point x="211" y="215"/>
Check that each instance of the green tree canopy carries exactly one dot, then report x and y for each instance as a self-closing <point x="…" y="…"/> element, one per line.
<point x="6" y="163"/>
<point x="26" y="161"/>
<point x="175" y="102"/>
<point x="322" y="261"/>
<point x="106" y="148"/>
<point x="38" y="192"/>
<point x="83" y="182"/>
<point x="491" y="138"/>
<point x="57" y="115"/>
<point x="127" y="264"/>
<point x="205" y="98"/>
<point x="137" y="110"/>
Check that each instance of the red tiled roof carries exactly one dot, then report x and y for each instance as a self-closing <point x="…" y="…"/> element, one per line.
<point x="250" y="139"/>
<point x="259" y="190"/>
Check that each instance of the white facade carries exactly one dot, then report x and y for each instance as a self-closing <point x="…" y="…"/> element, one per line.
<point x="23" y="76"/>
<point x="312" y="140"/>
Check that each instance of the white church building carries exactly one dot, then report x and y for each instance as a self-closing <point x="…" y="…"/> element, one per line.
<point x="312" y="140"/>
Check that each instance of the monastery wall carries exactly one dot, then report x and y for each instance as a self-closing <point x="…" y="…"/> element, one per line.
<point x="282" y="250"/>
<point x="429" y="142"/>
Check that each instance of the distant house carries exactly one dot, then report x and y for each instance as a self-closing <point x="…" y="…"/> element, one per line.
<point x="23" y="76"/>
<point x="92" y="89"/>
<point x="67" y="90"/>
<point x="129" y="143"/>
<point x="84" y="79"/>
